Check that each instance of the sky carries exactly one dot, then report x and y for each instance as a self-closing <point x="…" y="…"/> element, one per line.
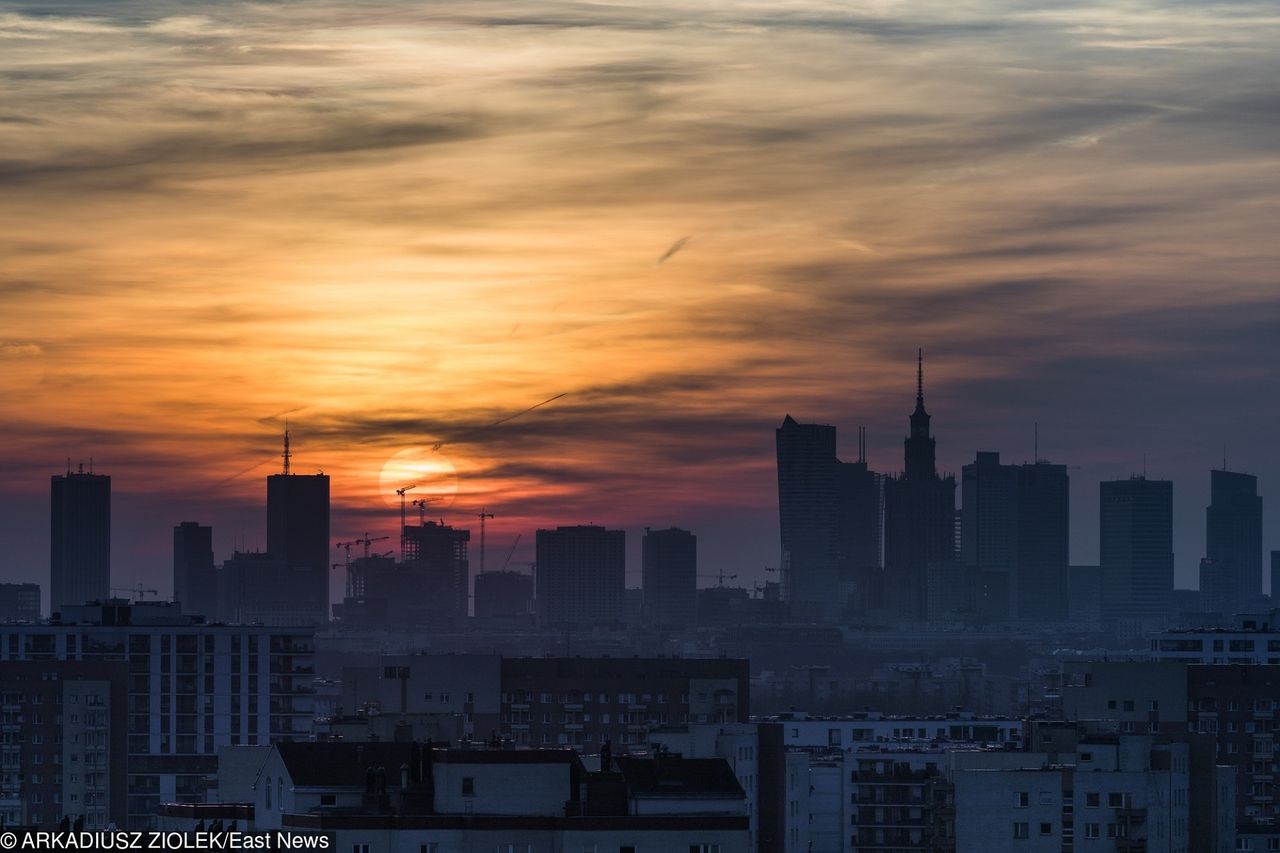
<point x="397" y="223"/>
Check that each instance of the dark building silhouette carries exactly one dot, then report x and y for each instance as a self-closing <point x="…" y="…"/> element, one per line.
<point x="919" y="516"/>
<point x="1136" y="548"/>
<point x="1275" y="575"/>
<point x="80" y="539"/>
<point x="19" y="602"/>
<point x="504" y="595"/>
<point x="440" y="553"/>
<point x="670" y="577"/>
<point x="830" y="520"/>
<point x="807" y="512"/>
<point x="298" y="534"/>
<point x="194" y="576"/>
<point x="581" y="575"/>
<point x="1015" y="533"/>
<point x="1231" y="572"/>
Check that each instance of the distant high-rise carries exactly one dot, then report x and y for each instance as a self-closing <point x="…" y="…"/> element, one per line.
<point x="581" y="575"/>
<point x="440" y="553"/>
<point x="1275" y="576"/>
<point x="919" y="515"/>
<point x="670" y="577"/>
<point x="194" y="576"/>
<point x="80" y="540"/>
<point x="860" y="527"/>
<point x="1136" y="548"/>
<point x="298" y="533"/>
<point x="807" y="512"/>
<point x="1231" y="573"/>
<point x="1014" y="520"/>
<point x="504" y="595"/>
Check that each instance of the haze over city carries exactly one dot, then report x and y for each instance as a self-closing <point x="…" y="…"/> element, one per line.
<point x="396" y="224"/>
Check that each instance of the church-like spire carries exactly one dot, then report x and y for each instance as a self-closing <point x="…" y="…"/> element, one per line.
<point x="919" y="444"/>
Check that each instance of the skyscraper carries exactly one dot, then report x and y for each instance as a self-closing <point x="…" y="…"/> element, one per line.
<point x="919" y="514"/>
<point x="80" y="538"/>
<point x="1136" y="548"/>
<point x="860" y="528"/>
<point x="581" y="575"/>
<point x="298" y="533"/>
<point x="670" y="563"/>
<point x="807" y="512"/>
<point x="1015" y="533"/>
<point x="1231" y="573"/>
<point x="194" y="576"/>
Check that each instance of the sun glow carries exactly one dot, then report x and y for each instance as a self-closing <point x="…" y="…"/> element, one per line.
<point x="426" y="475"/>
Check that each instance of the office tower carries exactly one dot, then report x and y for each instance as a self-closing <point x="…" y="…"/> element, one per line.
<point x="1136" y="548"/>
<point x="80" y="539"/>
<point x="298" y="534"/>
<point x="670" y="561"/>
<point x="439" y="553"/>
<point x="859" y="529"/>
<point x="1014" y="521"/>
<point x="581" y="575"/>
<point x="194" y="576"/>
<point x="919" y="515"/>
<point x="807" y="512"/>
<point x="504" y="595"/>
<point x="1275" y="576"/>
<point x="1231" y="573"/>
<point x="19" y="602"/>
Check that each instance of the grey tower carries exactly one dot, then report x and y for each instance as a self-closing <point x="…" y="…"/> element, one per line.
<point x="581" y="575"/>
<point x="670" y="561"/>
<point x="1136" y="548"/>
<point x="1231" y="574"/>
<point x="194" y="577"/>
<point x="80" y="538"/>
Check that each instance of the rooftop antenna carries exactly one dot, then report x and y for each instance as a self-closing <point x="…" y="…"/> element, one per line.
<point x="286" y="455"/>
<point x="920" y="373"/>
<point x="862" y="444"/>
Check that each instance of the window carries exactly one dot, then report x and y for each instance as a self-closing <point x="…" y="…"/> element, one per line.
<point x="704" y="848"/>
<point x="429" y="847"/>
<point x="328" y="800"/>
<point x="468" y="786"/>
<point x="359" y="848"/>
<point x="1021" y="799"/>
<point x="1091" y="830"/>
<point x="1115" y="800"/>
<point x="1021" y="830"/>
<point x="1086" y="756"/>
<point x="1046" y="829"/>
<point x="1092" y="800"/>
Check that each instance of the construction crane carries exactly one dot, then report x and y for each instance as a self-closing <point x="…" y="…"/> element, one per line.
<point x="720" y="577"/>
<point x="138" y="592"/>
<point x="366" y="542"/>
<point x="512" y="552"/>
<point x="482" y="515"/>
<point x="421" y="504"/>
<point x="401" y="493"/>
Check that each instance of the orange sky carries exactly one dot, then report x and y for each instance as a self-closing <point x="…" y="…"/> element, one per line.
<point x="402" y="221"/>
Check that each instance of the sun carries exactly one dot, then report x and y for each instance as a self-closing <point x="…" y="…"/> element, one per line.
<point x="428" y="471"/>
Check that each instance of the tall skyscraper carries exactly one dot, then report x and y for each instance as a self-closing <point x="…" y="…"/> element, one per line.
<point x="670" y="563"/>
<point x="1014" y="521"/>
<point x="298" y="533"/>
<point x="807" y="512"/>
<point x="1136" y="548"/>
<point x="80" y="540"/>
<point x="919" y="515"/>
<point x="1231" y="573"/>
<point x="194" y="576"/>
<point x="830" y="520"/>
<point x="581" y="576"/>
<point x="1275" y="576"/>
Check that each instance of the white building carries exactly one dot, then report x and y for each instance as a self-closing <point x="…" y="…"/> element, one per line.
<point x="802" y="731"/>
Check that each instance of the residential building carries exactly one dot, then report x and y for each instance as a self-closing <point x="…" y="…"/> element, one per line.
<point x="581" y="576"/>
<point x="80" y="538"/>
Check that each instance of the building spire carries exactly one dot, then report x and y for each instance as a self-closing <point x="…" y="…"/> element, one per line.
<point x="920" y="376"/>
<point x="286" y="455"/>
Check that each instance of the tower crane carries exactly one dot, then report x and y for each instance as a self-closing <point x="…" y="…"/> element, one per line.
<point x="720" y="577"/>
<point x="482" y="515"/>
<point x="137" y="591"/>
<point x="401" y="493"/>
<point x="421" y="504"/>
<point x="512" y="552"/>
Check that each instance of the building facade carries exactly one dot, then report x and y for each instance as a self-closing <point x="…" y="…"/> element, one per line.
<point x="581" y="576"/>
<point x="670" y="581"/>
<point x="1136" y="548"/>
<point x="80" y="539"/>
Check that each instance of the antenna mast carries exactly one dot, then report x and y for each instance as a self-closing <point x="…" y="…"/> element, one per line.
<point x="286" y="455"/>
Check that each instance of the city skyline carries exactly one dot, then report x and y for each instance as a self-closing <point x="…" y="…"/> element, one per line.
<point x="289" y="212"/>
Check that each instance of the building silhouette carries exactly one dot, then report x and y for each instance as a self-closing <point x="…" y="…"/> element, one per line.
<point x="581" y="575"/>
<point x="919" y="515"/>
<point x="504" y="595"/>
<point x="1275" y="576"/>
<point x="670" y="577"/>
<point x="1231" y="572"/>
<point x="80" y="538"/>
<point x="194" y="576"/>
<point x="1136" y="548"/>
<point x="1015" y="534"/>
<point x="19" y="602"/>
<point x="439" y="553"/>
<point x="298" y="535"/>
<point x="860" y="529"/>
